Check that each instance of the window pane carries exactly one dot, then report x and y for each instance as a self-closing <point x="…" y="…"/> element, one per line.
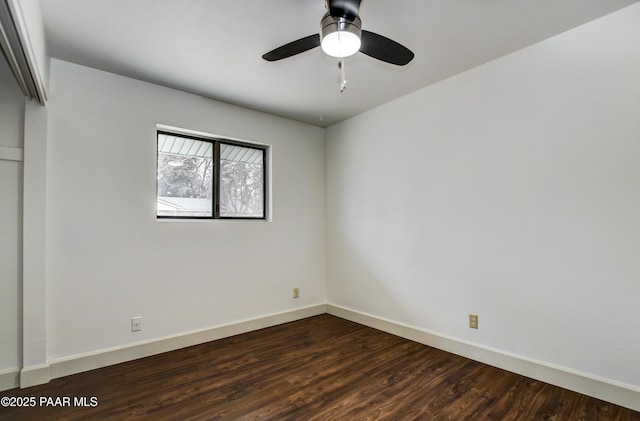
<point x="241" y="181"/>
<point x="185" y="177"/>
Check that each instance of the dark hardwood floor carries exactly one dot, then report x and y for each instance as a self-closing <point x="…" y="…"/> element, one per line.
<point x="320" y="368"/>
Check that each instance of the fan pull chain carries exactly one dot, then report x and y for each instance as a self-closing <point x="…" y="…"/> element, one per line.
<point x="343" y="78"/>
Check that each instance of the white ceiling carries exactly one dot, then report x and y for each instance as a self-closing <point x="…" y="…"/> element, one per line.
<point x="214" y="47"/>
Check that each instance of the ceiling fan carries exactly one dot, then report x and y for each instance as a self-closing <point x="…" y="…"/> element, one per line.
<point x="341" y="35"/>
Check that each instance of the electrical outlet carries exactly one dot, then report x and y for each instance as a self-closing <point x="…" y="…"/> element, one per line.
<point x="136" y="324"/>
<point x="473" y="321"/>
<point x="296" y="292"/>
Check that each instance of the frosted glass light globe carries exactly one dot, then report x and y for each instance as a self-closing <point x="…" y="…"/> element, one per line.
<point x="341" y="44"/>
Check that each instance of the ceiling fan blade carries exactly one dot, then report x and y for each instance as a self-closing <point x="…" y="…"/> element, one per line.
<point x="344" y="8"/>
<point x="385" y="49"/>
<point x="295" y="47"/>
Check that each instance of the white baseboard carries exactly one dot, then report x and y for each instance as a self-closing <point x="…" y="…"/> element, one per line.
<point x="608" y="390"/>
<point x="9" y="379"/>
<point x="601" y="388"/>
<point x="90" y="361"/>
<point x="34" y="375"/>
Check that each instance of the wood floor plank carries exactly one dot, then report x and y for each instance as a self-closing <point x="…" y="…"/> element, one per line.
<point x="320" y="368"/>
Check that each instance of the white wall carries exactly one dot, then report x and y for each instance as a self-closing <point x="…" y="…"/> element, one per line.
<point x="11" y="135"/>
<point x="109" y="258"/>
<point x="12" y="108"/>
<point x="511" y="191"/>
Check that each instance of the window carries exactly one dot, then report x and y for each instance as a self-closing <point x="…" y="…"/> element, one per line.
<point x="210" y="178"/>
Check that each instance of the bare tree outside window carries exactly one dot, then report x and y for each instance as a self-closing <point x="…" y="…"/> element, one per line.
<point x="241" y="182"/>
<point x="185" y="185"/>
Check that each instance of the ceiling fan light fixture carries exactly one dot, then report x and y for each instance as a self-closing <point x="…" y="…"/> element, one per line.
<point x="339" y="36"/>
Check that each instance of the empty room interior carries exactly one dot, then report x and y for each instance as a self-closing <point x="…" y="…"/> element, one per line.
<point x="467" y="179"/>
